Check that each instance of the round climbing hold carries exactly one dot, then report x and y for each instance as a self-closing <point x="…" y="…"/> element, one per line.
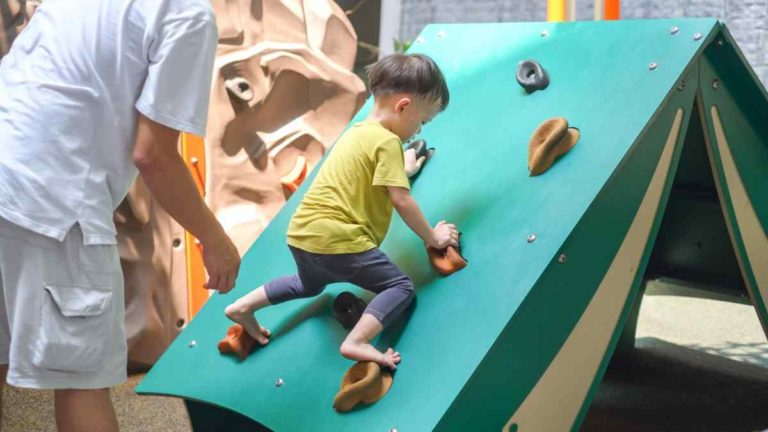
<point x="531" y="76"/>
<point x="420" y="146"/>
<point x="347" y="309"/>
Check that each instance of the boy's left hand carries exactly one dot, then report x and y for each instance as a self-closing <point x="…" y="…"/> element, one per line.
<point x="413" y="165"/>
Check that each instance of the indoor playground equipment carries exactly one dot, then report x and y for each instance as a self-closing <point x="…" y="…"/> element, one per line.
<point x="667" y="180"/>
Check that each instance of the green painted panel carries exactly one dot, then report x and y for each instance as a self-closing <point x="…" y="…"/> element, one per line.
<point x="742" y="103"/>
<point x="557" y="301"/>
<point x="477" y="179"/>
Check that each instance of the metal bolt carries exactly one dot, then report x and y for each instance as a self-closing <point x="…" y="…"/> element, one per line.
<point x="681" y="85"/>
<point x="715" y="84"/>
<point x="440" y="34"/>
<point x="419" y="40"/>
<point x="720" y="42"/>
<point x="192" y="343"/>
<point x="393" y="430"/>
<point x="279" y="382"/>
<point x="194" y="160"/>
<point x="531" y="238"/>
<point x="674" y="30"/>
<point x="653" y="66"/>
<point x="697" y="36"/>
<point x="562" y="258"/>
<point x="544" y="33"/>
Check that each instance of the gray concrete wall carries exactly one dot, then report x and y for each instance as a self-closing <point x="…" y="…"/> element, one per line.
<point x="746" y="19"/>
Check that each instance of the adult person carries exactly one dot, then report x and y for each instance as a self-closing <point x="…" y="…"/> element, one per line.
<point x="92" y="93"/>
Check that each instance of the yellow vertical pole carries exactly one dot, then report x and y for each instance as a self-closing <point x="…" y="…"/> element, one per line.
<point x="555" y="10"/>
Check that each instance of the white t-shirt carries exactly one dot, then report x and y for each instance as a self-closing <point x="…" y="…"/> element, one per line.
<point x="69" y="90"/>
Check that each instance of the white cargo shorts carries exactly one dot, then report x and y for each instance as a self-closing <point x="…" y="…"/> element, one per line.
<point x="62" y="311"/>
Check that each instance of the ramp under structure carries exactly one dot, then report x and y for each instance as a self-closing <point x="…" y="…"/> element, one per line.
<point x="672" y="120"/>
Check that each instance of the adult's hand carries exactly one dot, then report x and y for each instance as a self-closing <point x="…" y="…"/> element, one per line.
<point x="222" y="262"/>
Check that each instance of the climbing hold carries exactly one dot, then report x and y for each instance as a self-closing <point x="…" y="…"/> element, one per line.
<point x="550" y="140"/>
<point x="420" y="146"/>
<point x="364" y="382"/>
<point x="239" y="88"/>
<point x="296" y="177"/>
<point x="347" y="309"/>
<point x="237" y="341"/>
<point x="446" y="261"/>
<point x="531" y="76"/>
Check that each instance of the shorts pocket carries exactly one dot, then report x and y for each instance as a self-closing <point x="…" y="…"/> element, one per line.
<point x="74" y="326"/>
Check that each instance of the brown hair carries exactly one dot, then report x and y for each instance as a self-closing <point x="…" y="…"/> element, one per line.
<point x="409" y="73"/>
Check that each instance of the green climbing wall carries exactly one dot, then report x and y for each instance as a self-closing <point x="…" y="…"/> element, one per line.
<point x="480" y="346"/>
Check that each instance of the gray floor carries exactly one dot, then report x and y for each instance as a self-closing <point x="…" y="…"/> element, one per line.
<point x="701" y="365"/>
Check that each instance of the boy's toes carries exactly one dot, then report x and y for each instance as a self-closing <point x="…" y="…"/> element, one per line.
<point x="265" y="331"/>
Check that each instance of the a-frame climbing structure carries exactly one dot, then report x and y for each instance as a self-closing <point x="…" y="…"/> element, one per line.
<point x="520" y="339"/>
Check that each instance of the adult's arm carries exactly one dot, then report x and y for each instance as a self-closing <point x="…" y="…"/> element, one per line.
<point x="157" y="158"/>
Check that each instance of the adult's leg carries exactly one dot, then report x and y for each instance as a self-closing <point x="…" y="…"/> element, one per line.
<point x="84" y="411"/>
<point x="395" y="293"/>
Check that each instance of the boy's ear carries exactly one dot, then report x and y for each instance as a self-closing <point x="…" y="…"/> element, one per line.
<point x="402" y="103"/>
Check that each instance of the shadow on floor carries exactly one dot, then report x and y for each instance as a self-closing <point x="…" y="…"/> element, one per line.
<point x="666" y="387"/>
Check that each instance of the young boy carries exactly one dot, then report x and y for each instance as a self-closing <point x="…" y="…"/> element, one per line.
<point x="336" y="231"/>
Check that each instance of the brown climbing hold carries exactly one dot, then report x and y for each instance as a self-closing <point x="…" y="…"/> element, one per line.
<point x="364" y="382"/>
<point x="552" y="139"/>
<point x="446" y="261"/>
<point x="237" y="342"/>
<point x="296" y="177"/>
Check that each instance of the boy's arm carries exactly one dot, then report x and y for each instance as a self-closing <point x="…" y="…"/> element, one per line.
<point x="157" y="158"/>
<point x="441" y="236"/>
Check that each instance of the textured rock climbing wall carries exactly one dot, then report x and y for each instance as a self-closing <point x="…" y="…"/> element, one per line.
<point x="282" y="89"/>
<point x="746" y="19"/>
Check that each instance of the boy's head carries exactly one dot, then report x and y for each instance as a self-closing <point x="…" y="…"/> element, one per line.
<point x="412" y="87"/>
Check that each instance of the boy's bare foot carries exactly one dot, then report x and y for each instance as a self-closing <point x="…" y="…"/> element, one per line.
<point x="364" y="351"/>
<point x="241" y="315"/>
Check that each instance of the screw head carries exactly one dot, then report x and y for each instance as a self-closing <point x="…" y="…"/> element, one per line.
<point x="441" y="34"/>
<point x="562" y="258"/>
<point x="697" y="36"/>
<point x="531" y="238"/>
<point x="681" y="85"/>
<point x="279" y="382"/>
<point x="393" y="430"/>
<point x="715" y="84"/>
<point x="720" y="42"/>
<point x="419" y="40"/>
<point x="674" y="30"/>
<point x="653" y="66"/>
<point x="544" y="33"/>
<point x="192" y="343"/>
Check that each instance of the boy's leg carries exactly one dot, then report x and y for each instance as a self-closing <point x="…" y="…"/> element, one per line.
<point x="310" y="282"/>
<point x="395" y="293"/>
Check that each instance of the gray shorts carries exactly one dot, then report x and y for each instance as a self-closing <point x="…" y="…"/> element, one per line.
<point x="62" y="311"/>
<point x="371" y="270"/>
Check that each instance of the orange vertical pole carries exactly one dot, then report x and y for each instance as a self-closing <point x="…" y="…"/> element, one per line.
<point x="612" y="9"/>
<point x="555" y="10"/>
<point x="193" y="152"/>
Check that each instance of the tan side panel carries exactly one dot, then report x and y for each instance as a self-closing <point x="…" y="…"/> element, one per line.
<point x="555" y="401"/>
<point x="752" y="233"/>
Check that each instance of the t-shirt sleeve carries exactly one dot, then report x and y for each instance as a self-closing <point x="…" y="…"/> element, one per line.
<point x="390" y="165"/>
<point x="178" y="82"/>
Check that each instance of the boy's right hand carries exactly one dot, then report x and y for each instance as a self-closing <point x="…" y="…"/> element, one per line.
<point x="444" y="235"/>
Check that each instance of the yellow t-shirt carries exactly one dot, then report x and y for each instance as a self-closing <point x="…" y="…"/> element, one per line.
<point x="347" y="209"/>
